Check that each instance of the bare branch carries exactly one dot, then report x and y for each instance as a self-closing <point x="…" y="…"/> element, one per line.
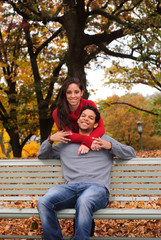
<point x="48" y="41"/>
<point x="107" y="15"/>
<point x="119" y="6"/>
<point x="28" y="16"/>
<point x="26" y="139"/>
<point x="140" y="109"/>
<point x="154" y="79"/>
<point x="3" y="114"/>
<point x="115" y="54"/>
<point x="54" y="79"/>
<point x="126" y="10"/>
<point x="103" y="37"/>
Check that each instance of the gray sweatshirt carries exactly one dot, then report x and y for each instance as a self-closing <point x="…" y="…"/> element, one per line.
<point x="93" y="167"/>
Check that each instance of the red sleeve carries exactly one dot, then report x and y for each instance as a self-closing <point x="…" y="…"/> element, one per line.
<point x="79" y="138"/>
<point x="54" y="114"/>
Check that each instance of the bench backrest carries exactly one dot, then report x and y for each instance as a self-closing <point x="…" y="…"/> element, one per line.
<point x="24" y="179"/>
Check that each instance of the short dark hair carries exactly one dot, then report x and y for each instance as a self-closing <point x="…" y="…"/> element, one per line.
<point x="94" y="109"/>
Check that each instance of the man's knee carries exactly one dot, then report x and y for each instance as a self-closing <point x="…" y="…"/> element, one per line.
<point x="40" y="203"/>
<point x="43" y="203"/>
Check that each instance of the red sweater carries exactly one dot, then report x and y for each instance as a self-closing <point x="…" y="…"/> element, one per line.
<point x="78" y="138"/>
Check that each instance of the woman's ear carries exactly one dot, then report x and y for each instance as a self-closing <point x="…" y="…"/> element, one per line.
<point x="82" y="93"/>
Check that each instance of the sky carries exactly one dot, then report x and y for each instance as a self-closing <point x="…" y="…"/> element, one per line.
<point x="103" y="92"/>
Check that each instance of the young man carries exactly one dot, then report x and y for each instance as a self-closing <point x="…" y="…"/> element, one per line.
<point x="87" y="178"/>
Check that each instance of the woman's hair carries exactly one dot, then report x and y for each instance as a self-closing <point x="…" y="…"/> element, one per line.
<point x="63" y="106"/>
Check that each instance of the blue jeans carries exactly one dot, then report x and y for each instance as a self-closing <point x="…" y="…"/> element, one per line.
<point x="86" y="198"/>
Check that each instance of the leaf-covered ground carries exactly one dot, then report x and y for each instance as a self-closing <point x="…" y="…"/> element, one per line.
<point x="131" y="228"/>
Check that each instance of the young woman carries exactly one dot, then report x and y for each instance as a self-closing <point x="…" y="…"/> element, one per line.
<point x="68" y="109"/>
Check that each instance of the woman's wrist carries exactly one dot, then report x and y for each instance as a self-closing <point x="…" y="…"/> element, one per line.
<point x="49" y="140"/>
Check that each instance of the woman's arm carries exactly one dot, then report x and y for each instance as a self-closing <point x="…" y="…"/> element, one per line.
<point x="83" y="139"/>
<point x="54" y="114"/>
<point x="74" y="137"/>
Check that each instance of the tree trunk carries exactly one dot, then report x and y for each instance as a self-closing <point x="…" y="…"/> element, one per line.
<point x="46" y="125"/>
<point x="74" y="24"/>
<point x="15" y="143"/>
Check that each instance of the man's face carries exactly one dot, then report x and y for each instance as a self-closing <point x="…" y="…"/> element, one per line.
<point x="86" y="121"/>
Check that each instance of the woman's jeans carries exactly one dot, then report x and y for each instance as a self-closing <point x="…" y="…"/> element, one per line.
<point x="86" y="198"/>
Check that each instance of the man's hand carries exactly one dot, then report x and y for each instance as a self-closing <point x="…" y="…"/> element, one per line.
<point x="60" y="136"/>
<point x="83" y="149"/>
<point x="102" y="143"/>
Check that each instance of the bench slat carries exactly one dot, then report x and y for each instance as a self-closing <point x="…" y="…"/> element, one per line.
<point x="138" y="186"/>
<point x="135" y="192"/>
<point x="23" y="192"/>
<point x="70" y="238"/>
<point x="113" y="192"/>
<point x="135" y="174"/>
<point x="29" y="162"/>
<point x="52" y="174"/>
<point x="20" y="237"/>
<point x="59" y="168"/>
<point x="134" y="179"/>
<point x="137" y="168"/>
<point x="107" y="213"/>
<point x="59" y="178"/>
<point x="121" y="199"/>
<point x="32" y="180"/>
<point x="30" y="168"/>
<point x="137" y="161"/>
<point x="31" y="174"/>
<point x="17" y="186"/>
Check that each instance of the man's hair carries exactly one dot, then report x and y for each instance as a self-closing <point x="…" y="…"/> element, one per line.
<point x="94" y="110"/>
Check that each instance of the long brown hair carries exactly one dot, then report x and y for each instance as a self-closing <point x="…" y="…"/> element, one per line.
<point x="62" y="104"/>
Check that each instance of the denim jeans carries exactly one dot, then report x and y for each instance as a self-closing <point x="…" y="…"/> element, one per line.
<point x="86" y="198"/>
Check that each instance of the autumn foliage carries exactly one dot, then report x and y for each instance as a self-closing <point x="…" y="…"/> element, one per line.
<point x="120" y="116"/>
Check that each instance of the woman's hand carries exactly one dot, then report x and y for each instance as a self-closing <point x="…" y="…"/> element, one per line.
<point x="61" y="136"/>
<point x="83" y="149"/>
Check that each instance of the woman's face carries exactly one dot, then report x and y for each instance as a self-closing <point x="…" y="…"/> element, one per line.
<point x="73" y="96"/>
